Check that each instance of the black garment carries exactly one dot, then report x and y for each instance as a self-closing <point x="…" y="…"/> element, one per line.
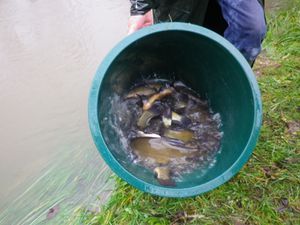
<point x="202" y="12"/>
<point x="139" y="7"/>
<point x="166" y="10"/>
<point x="178" y="9"/>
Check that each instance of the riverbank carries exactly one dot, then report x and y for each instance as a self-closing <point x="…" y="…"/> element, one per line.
<point x="266" y="190"/>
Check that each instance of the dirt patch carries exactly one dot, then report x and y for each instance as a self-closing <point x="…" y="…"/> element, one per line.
<point x="183" y="217"/>
<point x="238" y="221"/>
<point x="272" y="6"/>
<point x="262" y="62"/>
<point x="293" y="127"/>
<point x="283" y="205"/>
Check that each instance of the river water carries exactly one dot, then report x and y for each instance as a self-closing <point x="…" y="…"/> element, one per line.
<point x="49" y="52"/>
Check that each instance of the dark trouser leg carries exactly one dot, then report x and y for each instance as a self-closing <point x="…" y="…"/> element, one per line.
<point x="246" y="26"/>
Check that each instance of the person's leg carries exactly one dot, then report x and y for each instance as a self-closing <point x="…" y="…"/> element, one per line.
<point x="246" y="26"/>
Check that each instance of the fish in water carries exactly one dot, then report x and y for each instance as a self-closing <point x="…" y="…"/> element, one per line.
<point x="174" y="118"/>
<point x="173" y="130"/>
<point x="163" y="175"/>
<point x="149" y="114"/>
<point x="140" y="91"/>
<point x="160" y="150"/>
<point x="165" y="92"/>
<point x="142" y="134"/>
<point x="182" y="135"/>
<point x="159" y="154"/>
<point x="180" y="102"/>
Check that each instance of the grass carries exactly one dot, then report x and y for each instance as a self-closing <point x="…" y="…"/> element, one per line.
<point x="267" y="189"/>
<point x="68" y="181"/>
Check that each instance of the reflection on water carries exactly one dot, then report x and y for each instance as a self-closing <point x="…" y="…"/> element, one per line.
<point x="49" y="51"/>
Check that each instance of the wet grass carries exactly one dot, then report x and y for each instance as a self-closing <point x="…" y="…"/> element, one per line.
<point x="267" y="189"/>
<point x="67" y="182"/>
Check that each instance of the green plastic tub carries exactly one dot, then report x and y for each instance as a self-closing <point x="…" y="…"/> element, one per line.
<point x="207" y="63"/>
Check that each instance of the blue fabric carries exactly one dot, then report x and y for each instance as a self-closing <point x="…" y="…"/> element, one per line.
<point x="246" y="26"/>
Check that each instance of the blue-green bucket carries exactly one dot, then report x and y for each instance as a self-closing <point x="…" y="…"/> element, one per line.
<point x="210" y="65"/>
